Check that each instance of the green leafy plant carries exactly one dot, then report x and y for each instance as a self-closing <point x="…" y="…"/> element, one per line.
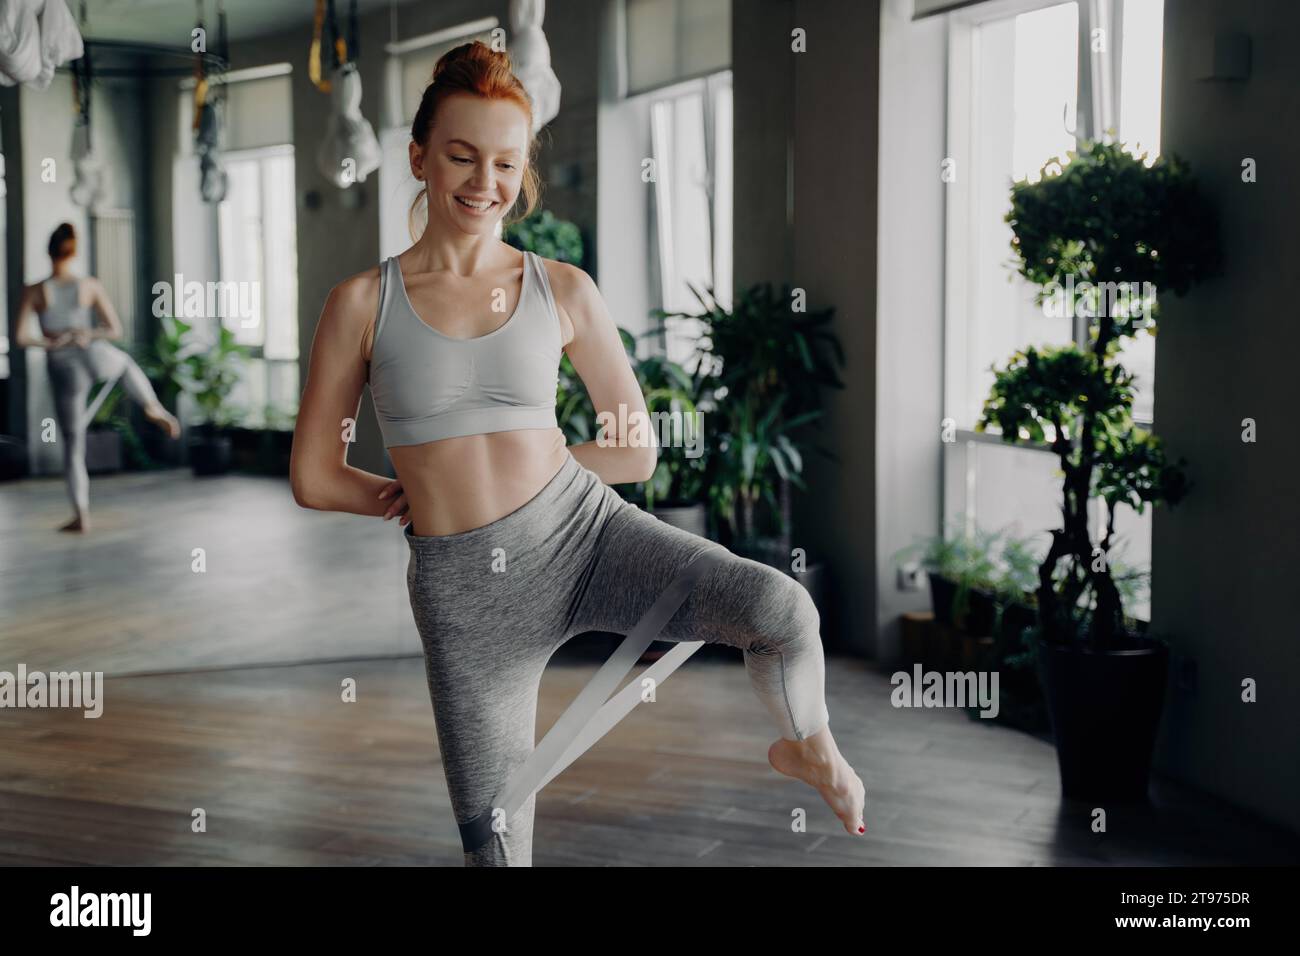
<point x="682" y="476"/>
<point x="548" y="236"/>
<point x="163" y="360"/>
<point x="766" y="363"/>
<point x="214" y="374"/>
<point x="967" y="558"/>
<point x="1019" y="571"/>
<point x="279" y="417"/>
<point x="208" y="372"/>
<point x="679" y="478"/>
<point x="1102" y="218"/>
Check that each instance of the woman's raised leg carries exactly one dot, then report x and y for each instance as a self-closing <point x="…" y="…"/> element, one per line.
<point x="741" y="603"/>
<point x="112" y="362"/>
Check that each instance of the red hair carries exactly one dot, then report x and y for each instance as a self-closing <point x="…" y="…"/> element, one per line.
<point x="477" y="69"/>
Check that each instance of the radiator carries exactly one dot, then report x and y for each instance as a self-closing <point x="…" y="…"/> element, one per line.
<point x="113" y="263"/>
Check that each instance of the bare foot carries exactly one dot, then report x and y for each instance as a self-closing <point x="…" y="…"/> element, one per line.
<point x="164" y="420"/>
<point x="818" y="762"/>
<point x="77" y="524"/>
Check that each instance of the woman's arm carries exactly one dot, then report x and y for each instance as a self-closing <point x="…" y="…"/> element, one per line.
<point x="629" y="453"/>
<point x="27" y="326"/>
<point x="112" y="329"/>
<point x="319" y="473"/>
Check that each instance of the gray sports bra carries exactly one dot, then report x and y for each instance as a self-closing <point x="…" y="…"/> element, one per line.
<point x="428" y="386"/>
<point x="61" y="309"/>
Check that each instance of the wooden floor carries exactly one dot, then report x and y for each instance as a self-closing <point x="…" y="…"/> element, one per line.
<point x="287" y="773"/>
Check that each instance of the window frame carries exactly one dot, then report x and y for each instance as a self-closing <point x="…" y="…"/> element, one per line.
<point x="709" y="88"/>
<point x="258" y="352"/>
<point x="959" y="477"/>
<point x="1092" y="114"/>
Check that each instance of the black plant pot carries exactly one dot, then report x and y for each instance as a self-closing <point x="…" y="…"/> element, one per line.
<point x="1105" y="709"/>
<point x="942" y="592"/>
<point x="689" y="517"/>
<point x="103" y="451"/>
<point x="1022" y="703"/>
<point x="980" y="613"/>
<point x="210" y="452"/>
<point x="1015" y="618"/>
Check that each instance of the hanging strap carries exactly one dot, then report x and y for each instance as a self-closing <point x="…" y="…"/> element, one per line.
<point x="592" y="714"/>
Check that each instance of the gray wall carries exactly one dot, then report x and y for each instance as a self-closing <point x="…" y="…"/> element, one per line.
<point x="805" y="212"/>
<point x="835" y="146"/>
<point x="1224" y="559"/>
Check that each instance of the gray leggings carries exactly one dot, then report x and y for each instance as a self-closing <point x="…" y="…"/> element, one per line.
<point x="73" y="371"/>
<point x="494" y="603"/>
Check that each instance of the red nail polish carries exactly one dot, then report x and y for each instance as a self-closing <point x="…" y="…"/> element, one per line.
<point x="862" y="829"/>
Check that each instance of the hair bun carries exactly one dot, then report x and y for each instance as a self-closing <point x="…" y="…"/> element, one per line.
<point x="64" y="233"/>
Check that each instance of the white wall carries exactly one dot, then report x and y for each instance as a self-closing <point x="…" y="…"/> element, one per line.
<point x="909" y="386"/>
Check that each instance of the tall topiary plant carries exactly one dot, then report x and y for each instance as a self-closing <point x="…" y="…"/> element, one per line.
<point x="1110" y="233"/>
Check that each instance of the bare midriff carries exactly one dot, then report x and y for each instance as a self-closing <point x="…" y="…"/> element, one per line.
<point x="458" y="484"/>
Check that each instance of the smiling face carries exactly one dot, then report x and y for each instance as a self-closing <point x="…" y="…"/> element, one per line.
<point x="473" y="163"/>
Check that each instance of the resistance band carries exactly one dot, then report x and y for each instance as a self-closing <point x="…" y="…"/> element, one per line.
<point x="592" y="714"/>
<point x="90" y="411"/>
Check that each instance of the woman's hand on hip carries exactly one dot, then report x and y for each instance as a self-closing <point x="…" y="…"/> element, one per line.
<point x="81" y="337"/>
<point x="399" y="505"/>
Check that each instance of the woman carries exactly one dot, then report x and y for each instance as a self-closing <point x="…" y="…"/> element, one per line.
<point x="517" y="542"/>
<point x="79" y="356"/>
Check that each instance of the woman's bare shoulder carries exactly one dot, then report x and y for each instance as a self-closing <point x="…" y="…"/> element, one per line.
<point x="354" y="300"/>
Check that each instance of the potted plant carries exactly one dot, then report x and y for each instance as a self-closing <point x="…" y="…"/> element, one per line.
<point x="162" y="360"/>
<point x="263" y="441"/>
<point x="1102" y="217"/>
<point x="208" y="373"/>
<point x="676" y="492"/>
<point x="103" y="438"/>
<point x="766" y="364"/>
<point x="1014" y="602"/>
<point x="1021" y="702"/>
<point x="962" y="573"/>
<point x="110" y="431"/>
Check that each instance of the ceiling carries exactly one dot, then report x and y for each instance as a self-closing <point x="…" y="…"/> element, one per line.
<point x="170" y="21"/>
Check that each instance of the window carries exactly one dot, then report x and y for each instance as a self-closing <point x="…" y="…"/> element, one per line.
<point x="257" y="251"/>
<point x="246" y="245"/>
<point x="1025" y="78"/>
<point x="672" y="40"/>
<point x="690" y="135"/>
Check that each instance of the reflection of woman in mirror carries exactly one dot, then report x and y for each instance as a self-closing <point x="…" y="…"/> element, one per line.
<point x="58" y="314"/>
